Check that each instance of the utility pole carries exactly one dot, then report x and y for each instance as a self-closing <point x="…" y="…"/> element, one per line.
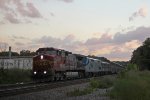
<point x="9" y="52"/>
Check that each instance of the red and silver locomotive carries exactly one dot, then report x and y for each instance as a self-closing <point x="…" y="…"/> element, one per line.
<point x="58" y="64"/>
<point x="55" y="64"/>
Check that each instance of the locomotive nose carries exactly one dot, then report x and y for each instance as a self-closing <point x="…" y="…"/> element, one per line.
<point x="42" y="65"/>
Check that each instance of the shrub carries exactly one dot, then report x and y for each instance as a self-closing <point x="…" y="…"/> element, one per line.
<point x="14" y="75"/>
<point x="94" y="83"/>
<point x="132" y="67"/>
<point x="105" y="82"/>
<point x="134" y="86"/>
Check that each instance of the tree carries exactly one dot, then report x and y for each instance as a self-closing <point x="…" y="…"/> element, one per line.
<point x="6" y="54"/>
<point x="141" y="56"/>
<point x="26" y="53"/>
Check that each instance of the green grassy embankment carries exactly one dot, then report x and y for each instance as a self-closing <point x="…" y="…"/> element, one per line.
<point x="14" y="75"/>
<point x="132" y="85"/>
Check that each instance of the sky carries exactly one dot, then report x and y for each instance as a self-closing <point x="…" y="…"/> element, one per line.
<point x="105" y="28"/>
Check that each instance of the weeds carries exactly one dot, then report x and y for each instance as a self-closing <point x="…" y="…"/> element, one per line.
<point x="103" y="83"/>
<point x="93" y="85"/>
<point x="134" y="85"/>
<point x="14" y="75"/>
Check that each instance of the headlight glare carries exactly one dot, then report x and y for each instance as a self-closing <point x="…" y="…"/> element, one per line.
<point x="35" y="72"/>
<point x="45" y="72"/>
<point x="41" y="56"/>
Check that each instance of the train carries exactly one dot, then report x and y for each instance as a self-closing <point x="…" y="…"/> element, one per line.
<point x="58" y="64"/>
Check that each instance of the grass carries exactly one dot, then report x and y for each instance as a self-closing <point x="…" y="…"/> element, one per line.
<point x="129" y="85"/>
<point x="132" y="85"/>
<point x="103" y="83"/>
<point x="14" y="75"/>
<point x="94" y="84"/>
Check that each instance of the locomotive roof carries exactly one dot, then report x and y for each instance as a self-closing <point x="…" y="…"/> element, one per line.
<point x="94" y="59"/>
<point x="117" y="64"/>
<point x="98" y="60"/>
<point x="51" y="48"/>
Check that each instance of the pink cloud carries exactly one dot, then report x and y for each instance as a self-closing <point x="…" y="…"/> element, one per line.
<point x="143" y="12"/>
<point x="26" y="9"/>
<point x="120" y="47"/>
<point x="11" y="18"/>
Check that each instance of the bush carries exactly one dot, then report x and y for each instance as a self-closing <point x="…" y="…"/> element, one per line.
<point x="14" y="75"/>
<point x="132" y="67"/>
<point x="133" y="86"/>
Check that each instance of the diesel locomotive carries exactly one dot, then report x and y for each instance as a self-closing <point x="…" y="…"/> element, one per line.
<point x="57" y="64"/>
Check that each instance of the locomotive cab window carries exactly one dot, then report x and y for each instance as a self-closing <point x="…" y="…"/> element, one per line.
<point x="52" y="52"/>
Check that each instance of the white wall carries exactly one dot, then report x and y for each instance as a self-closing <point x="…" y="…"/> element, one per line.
<point x="22" y="63"/>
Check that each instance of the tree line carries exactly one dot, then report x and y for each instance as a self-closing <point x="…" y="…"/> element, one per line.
<point x="141" y="56"/>
<point x="22" y="53"/>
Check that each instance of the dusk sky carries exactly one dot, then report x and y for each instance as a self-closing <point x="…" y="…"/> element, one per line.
<point x="108" y="28"/>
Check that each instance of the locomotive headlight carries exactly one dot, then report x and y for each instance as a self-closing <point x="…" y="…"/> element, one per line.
<point x="35" y="72"/>
<point x="41" y="56"/>
<point x="45" y="72"/>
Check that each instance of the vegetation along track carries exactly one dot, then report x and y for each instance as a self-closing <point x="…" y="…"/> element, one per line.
<point x="33" y="87"/>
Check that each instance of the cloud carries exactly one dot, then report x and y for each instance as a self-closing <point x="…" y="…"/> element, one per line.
<point x="2" y="22"/>
<point x="142" y="12"/>
<point x="52" y="14"/>
<point x="19" y="37"/>
<point x="68" y="43"/>
<point x="102" y="39"/>
<point x="28" y="10"/>
<point x="133" y="44"/>
<point x="19" y="44"/>
<point x="121" y="45"/>
<point x="140" y="33"/>
<point x="19" y="9"/>
<point x="67" y="1"/>
<point x="3" y="46"/>
<point x="118" y="47"/>
<point x="11" y="18"/>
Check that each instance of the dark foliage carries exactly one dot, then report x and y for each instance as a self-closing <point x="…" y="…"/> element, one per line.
<point x="27" y="53"/>
<point x="6" y="53"/>
<point x="141" y="56"/>
<point x="14" y="75"/>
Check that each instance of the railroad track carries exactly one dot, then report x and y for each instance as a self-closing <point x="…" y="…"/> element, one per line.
<point x="8" y="86"/>
<point x="34" y="87"/>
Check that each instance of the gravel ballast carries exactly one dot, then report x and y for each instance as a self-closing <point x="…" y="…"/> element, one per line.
<point x="61" y="94"/>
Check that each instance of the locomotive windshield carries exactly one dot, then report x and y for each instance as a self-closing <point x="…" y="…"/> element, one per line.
<point x="85" y="61"/>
